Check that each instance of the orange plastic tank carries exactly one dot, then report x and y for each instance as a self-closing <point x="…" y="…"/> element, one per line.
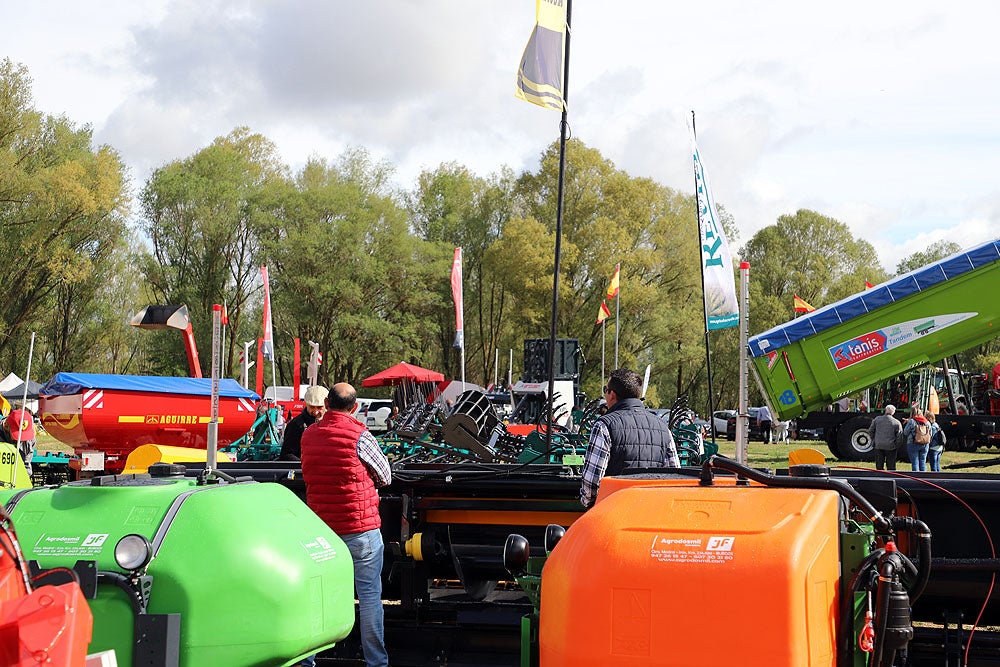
<point x="666" y="572"/>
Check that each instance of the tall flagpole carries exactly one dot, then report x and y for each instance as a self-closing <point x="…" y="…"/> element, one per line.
<point x="563" y="124"/>
<point x="704" y="296"/>
<point x="618" y="312"/>
<point x="603" y="329"/>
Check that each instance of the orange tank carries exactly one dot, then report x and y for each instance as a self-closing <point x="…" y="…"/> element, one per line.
<point x="640" y="578"/>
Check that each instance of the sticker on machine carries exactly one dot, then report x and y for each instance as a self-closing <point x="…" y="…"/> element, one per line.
<point x="319" y="549"/>
<point x="69" y="545"/>
<point x="675" y="549"/>
<point x="876" y="342"/>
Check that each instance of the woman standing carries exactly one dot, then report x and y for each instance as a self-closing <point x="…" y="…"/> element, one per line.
<point x="936" y="447"/>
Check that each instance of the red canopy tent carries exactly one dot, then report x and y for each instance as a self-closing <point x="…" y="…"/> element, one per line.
<point x="401" y="373"/>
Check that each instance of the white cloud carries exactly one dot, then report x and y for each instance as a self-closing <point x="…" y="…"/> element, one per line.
<point x="880" y="115"/>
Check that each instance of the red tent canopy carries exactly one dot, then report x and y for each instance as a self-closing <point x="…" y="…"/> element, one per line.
<point x="400" y="373"/>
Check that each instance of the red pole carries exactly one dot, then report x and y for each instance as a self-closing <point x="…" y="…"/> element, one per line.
<point x="296" y="374"/>
<point x="260" y="367"/>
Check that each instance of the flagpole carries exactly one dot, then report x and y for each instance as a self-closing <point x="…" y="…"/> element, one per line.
<point x="618" y="311"/>
<point x="563" y="124"/>
<point x="603" y="329"/>
<point x="704" y="296"/>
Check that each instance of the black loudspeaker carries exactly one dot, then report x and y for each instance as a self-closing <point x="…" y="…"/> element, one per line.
<point x="566" y="360"/>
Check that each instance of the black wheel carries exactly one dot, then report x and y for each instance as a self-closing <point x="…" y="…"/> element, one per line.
<point x="479" y="589"/>
<point x="831" y="442"/>
<point x="854" y="442"/>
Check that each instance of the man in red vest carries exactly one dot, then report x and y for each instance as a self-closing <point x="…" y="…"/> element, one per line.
<point x="343" y="466"/>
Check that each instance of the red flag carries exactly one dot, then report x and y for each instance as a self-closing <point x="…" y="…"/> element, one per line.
<point x="267" y="346"/>
<point x="800" y="304"/>
<point x="604" y="313"/>
<point x="613" y="287"/>
<point x="225" y="316"/>
<point x="456" y="293"/>
<point x="868" y="285"/>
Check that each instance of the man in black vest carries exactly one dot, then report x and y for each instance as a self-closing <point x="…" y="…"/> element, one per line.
<point x="626" y="436"/>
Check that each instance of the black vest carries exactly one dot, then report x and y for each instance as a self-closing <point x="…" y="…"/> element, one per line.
<point x="639" y="439"/>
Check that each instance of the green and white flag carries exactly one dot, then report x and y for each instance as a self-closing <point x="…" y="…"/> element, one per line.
<point x="721" y="307"/>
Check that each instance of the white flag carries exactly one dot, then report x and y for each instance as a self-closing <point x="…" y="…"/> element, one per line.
<point x="721" y="306"/>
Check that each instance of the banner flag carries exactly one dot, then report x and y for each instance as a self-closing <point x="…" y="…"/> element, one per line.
<point x="456" y="293"/>
<point x="540" y="76"/>
<point x="613" y="286"/>
<point x="721" y="306"/>
<point x="800" y="304"/>
<point x="267" y="346"/>
<point x="604" y="313"/>
<point x="868" y="285"/>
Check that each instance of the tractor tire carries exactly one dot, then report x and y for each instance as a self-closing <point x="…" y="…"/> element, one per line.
<point x="831" y="442"/>
<point x="854" y="443"/>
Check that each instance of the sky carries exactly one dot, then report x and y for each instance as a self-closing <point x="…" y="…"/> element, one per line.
<point x="884" y="116"/>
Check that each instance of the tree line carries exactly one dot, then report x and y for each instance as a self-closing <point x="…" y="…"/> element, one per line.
<point x="362" y="267"/>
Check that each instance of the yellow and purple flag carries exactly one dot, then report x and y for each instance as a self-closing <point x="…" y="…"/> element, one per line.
<point x="540" y="76"/>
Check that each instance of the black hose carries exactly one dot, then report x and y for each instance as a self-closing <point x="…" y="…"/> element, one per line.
<point x="886" y="574"/>
<point x="923" y="532"/>
<point x="825" y="483"/>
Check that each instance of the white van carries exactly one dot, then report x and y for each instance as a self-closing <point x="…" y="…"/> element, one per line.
<point x="373" y="412"/>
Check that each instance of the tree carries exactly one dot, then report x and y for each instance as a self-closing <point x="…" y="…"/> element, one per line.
<point x="934" y="252"/>
<point x="203" y="216"/>
<point x="62" y="212"/>
<point x="808" y="254"/>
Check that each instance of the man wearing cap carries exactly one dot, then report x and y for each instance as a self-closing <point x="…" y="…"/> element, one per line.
<point x="315" y="400"/>
<point x="343" y="467"/>
<point x="19" y="429"/>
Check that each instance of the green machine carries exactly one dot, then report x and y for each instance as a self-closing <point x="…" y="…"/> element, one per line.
<point x="915" y="319"/>
<point x="185" y="572"/>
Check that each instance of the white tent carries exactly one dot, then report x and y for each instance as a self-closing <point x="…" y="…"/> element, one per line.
<point x="9" y="382"/>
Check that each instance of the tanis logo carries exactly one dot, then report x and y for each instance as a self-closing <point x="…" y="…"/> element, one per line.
<point x="858" y="349"/>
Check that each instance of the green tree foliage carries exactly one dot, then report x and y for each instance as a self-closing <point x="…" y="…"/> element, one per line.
<point x="808" y="254"/>
<point x="346" y="271"/>
<point x="203" y="217"/>
<point x="934" y="252"/>
<point x="62" y="212"/>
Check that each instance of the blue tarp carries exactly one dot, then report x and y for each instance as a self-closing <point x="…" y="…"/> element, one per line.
<point x="63" y="384"/>
<point x="876" y="297"/>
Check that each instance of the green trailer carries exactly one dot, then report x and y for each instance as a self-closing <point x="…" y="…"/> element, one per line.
<point x="907" y="322"/>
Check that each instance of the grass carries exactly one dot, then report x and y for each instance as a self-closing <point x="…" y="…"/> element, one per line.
<point x="761" y="455"/>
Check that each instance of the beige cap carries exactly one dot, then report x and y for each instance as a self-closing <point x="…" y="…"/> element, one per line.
<point x="316" y="395"/>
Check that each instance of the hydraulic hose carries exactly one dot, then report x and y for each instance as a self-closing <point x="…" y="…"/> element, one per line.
<point x="823" y="483"/>
<point x="845" y="629"/>
<point x="923" y="533"/>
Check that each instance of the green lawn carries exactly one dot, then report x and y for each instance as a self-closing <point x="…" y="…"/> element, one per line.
<point x="776" y="456"/>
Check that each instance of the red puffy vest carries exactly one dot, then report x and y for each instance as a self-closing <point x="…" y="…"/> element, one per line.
<point x="338" y="487"/>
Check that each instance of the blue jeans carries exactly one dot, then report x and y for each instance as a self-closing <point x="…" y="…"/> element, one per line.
<point x="934" y="459"/>
<point x="367" y="551"/>
<point x="918" y="456"/>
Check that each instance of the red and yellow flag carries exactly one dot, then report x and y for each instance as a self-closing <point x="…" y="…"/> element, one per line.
<point x="604" y="313"/>
<point x="800" y="304"/>
<point x="613" y="287"/>
<point x="868" y="285"/>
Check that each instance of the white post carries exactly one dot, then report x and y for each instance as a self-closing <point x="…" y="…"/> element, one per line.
<point x="496" y="366"/>
<point x="211" y="456"/>
<point x="743" y="417"/>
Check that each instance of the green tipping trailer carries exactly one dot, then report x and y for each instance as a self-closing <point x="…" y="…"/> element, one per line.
<point x="915" y="319"/>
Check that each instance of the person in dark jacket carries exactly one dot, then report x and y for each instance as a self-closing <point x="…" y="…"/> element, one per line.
<point x="291" y="441"/>
<point x="343" y="466"/>
<point x="626" y="436"/>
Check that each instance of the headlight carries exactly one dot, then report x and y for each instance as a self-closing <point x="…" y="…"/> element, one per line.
<point x="133" y="552"/>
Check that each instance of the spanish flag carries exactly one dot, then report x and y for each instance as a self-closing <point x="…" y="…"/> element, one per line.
<point x="540" y="76"/>
<point x="800" y="304"/>
<point x="604" y="313"/>
<point x="613" y="287"/>
<point x="868" y="285"/>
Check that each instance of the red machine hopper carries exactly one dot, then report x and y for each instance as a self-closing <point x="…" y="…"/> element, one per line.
<point x="110" y="415"/>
